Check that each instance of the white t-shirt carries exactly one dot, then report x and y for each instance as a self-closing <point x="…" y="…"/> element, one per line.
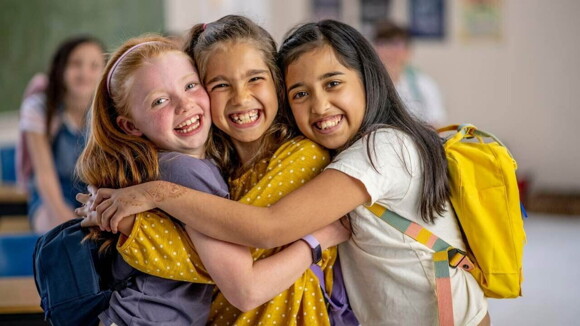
<point x="390" y="277"/>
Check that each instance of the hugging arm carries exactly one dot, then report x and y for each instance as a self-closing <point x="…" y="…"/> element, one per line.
<point x="319" y="202"/>
<point x="247" y="283"/>
<point x="244" y="282"/>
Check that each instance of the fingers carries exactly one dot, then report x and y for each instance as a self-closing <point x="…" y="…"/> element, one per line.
<point x="106" y="217"/>
<point x="82" y="211"/>
<point x="101" y="211"/>
<point x="82" y="198"/>
<point x="101" y="195"/>
<point x="115" y="220"/>
<point x="89" y="221"/>
<point x="92" y="190"/>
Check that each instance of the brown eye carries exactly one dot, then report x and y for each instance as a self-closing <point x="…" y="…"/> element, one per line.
<point x="333" y="83"/>
<point x="299" y="95"/>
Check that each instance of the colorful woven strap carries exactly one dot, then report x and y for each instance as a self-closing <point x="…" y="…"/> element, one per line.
<point x="445" y="256"/>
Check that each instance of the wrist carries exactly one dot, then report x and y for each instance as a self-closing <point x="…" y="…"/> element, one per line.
<point x="315" y="248"/>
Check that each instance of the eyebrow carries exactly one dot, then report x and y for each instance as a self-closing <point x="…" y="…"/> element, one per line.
<point x="251" y="72"/>
<point x="188" y="76"/>
<point x="323" y="77"/>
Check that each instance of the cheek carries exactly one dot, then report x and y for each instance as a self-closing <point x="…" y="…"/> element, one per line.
<point x="217" y="106"/>
<point x="301" y="118"/>
<point x="269" y="98"/>
<point x="202" y="100"/>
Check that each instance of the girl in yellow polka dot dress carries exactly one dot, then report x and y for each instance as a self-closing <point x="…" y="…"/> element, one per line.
<point x="236" y="61"/>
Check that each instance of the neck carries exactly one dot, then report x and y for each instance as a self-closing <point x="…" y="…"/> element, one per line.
<point x="75" y="109"/>
<point x="246" y="151"/>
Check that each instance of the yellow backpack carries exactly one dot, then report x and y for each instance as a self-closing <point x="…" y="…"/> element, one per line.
<point x="485" y="197"/>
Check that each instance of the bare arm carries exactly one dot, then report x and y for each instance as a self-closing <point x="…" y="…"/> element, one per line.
<point x="319" y="202"/>
<point x="46" y="178"/>
<point x="246" y="283"/>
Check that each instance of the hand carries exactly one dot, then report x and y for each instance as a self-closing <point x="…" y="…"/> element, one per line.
<point x="89" y="216"/>
<point x="112" y="205"/>
<point x="332" y="234"/>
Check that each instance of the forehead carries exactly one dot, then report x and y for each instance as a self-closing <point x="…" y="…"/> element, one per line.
<point x="167" y="65"/>
<point x="232" y="56"/>
<point x="313" y="63"/>
<point x="158" y="72"/>
<point x="86" y="49"/>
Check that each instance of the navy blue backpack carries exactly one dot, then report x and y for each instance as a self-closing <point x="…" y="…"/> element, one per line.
<point x="73" y="280"/>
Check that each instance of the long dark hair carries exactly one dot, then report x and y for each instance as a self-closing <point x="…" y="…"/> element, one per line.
<point x="202" y="40"/>
<point x="383" y="106"/>
<point x="56" y="89"/>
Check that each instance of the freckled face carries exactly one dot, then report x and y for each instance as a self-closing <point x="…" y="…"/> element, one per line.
<point x="169" y="106"/>
<point x="243" y="95"/>
<point x="327" y="99"/>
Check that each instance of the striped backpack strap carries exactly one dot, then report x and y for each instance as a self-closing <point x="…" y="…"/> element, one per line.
<point x="446" y="256"/>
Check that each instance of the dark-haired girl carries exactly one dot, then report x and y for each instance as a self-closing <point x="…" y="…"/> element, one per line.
<point x="52" y="123"/>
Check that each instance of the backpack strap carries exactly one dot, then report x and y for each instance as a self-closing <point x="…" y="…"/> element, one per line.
<point x="446" y="256"/>
<point x="320" y="275"/>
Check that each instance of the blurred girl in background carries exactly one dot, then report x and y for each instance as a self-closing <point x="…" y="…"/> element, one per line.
<point x="52" y="124"/>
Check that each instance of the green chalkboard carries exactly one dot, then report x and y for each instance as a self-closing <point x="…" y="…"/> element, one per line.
<point x="31" y="30"/>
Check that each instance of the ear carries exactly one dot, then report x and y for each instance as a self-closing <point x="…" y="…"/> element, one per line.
<point x="128" y="126"/>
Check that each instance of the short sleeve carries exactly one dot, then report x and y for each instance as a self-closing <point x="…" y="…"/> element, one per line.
<point x="388" y="170"/>
<point x="160" y="247"/>
<point x="192" y="173"/>
<point x="33" y="114"/>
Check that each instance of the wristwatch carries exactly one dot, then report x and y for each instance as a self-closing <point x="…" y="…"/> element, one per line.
<point x="314" y="247"/>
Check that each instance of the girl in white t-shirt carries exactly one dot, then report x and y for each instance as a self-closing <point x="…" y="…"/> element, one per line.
<point x="342" y="98"/>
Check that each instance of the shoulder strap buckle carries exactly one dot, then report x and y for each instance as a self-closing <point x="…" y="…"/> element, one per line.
<point x="459" y="258"/>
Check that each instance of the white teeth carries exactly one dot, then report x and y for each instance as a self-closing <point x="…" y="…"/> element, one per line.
<point x="189" y="125"/>
<point x="246" y="117"/>
<point x="188" y="122"/>
<point x="329" y="123"/>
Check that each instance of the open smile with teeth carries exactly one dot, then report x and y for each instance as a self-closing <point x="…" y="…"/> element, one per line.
<point x="245" y="117"/>
<point x="188" y="125"/>
<point x="328" y="122"/>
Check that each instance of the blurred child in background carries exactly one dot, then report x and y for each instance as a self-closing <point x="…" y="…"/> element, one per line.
<point x="52" y="122"/>
<point x="418" y="91"/>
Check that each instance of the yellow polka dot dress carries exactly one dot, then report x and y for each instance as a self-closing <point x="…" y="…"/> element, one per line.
<point x="293" y="164"/>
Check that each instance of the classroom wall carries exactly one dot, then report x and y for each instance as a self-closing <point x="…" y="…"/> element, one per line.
<point x="31" y="30"/>
<point x="523" y="88"/>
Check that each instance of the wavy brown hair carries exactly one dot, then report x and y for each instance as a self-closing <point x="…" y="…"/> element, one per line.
<point x="112" y="158"/>
<point x="203" y="39"/>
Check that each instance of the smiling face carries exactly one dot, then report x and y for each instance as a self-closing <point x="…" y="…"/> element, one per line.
<point x="243" y="95"/>
<point x="327" y="99"/>
<point x="83" y="70"/>
<point x="168" y="105"/>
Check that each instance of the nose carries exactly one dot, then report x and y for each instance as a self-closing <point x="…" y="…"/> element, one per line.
<point x="241" y="95"/>
<point x="185" y="104"/>
<point x="320" y="103"/>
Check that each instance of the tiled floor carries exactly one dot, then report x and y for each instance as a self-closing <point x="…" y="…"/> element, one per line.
<point x="551" y="286"/>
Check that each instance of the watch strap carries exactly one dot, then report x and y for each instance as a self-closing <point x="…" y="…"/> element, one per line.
<point x="314" y="247"/>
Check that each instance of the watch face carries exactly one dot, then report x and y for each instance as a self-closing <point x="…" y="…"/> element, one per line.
<point x="316" y="254"/>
